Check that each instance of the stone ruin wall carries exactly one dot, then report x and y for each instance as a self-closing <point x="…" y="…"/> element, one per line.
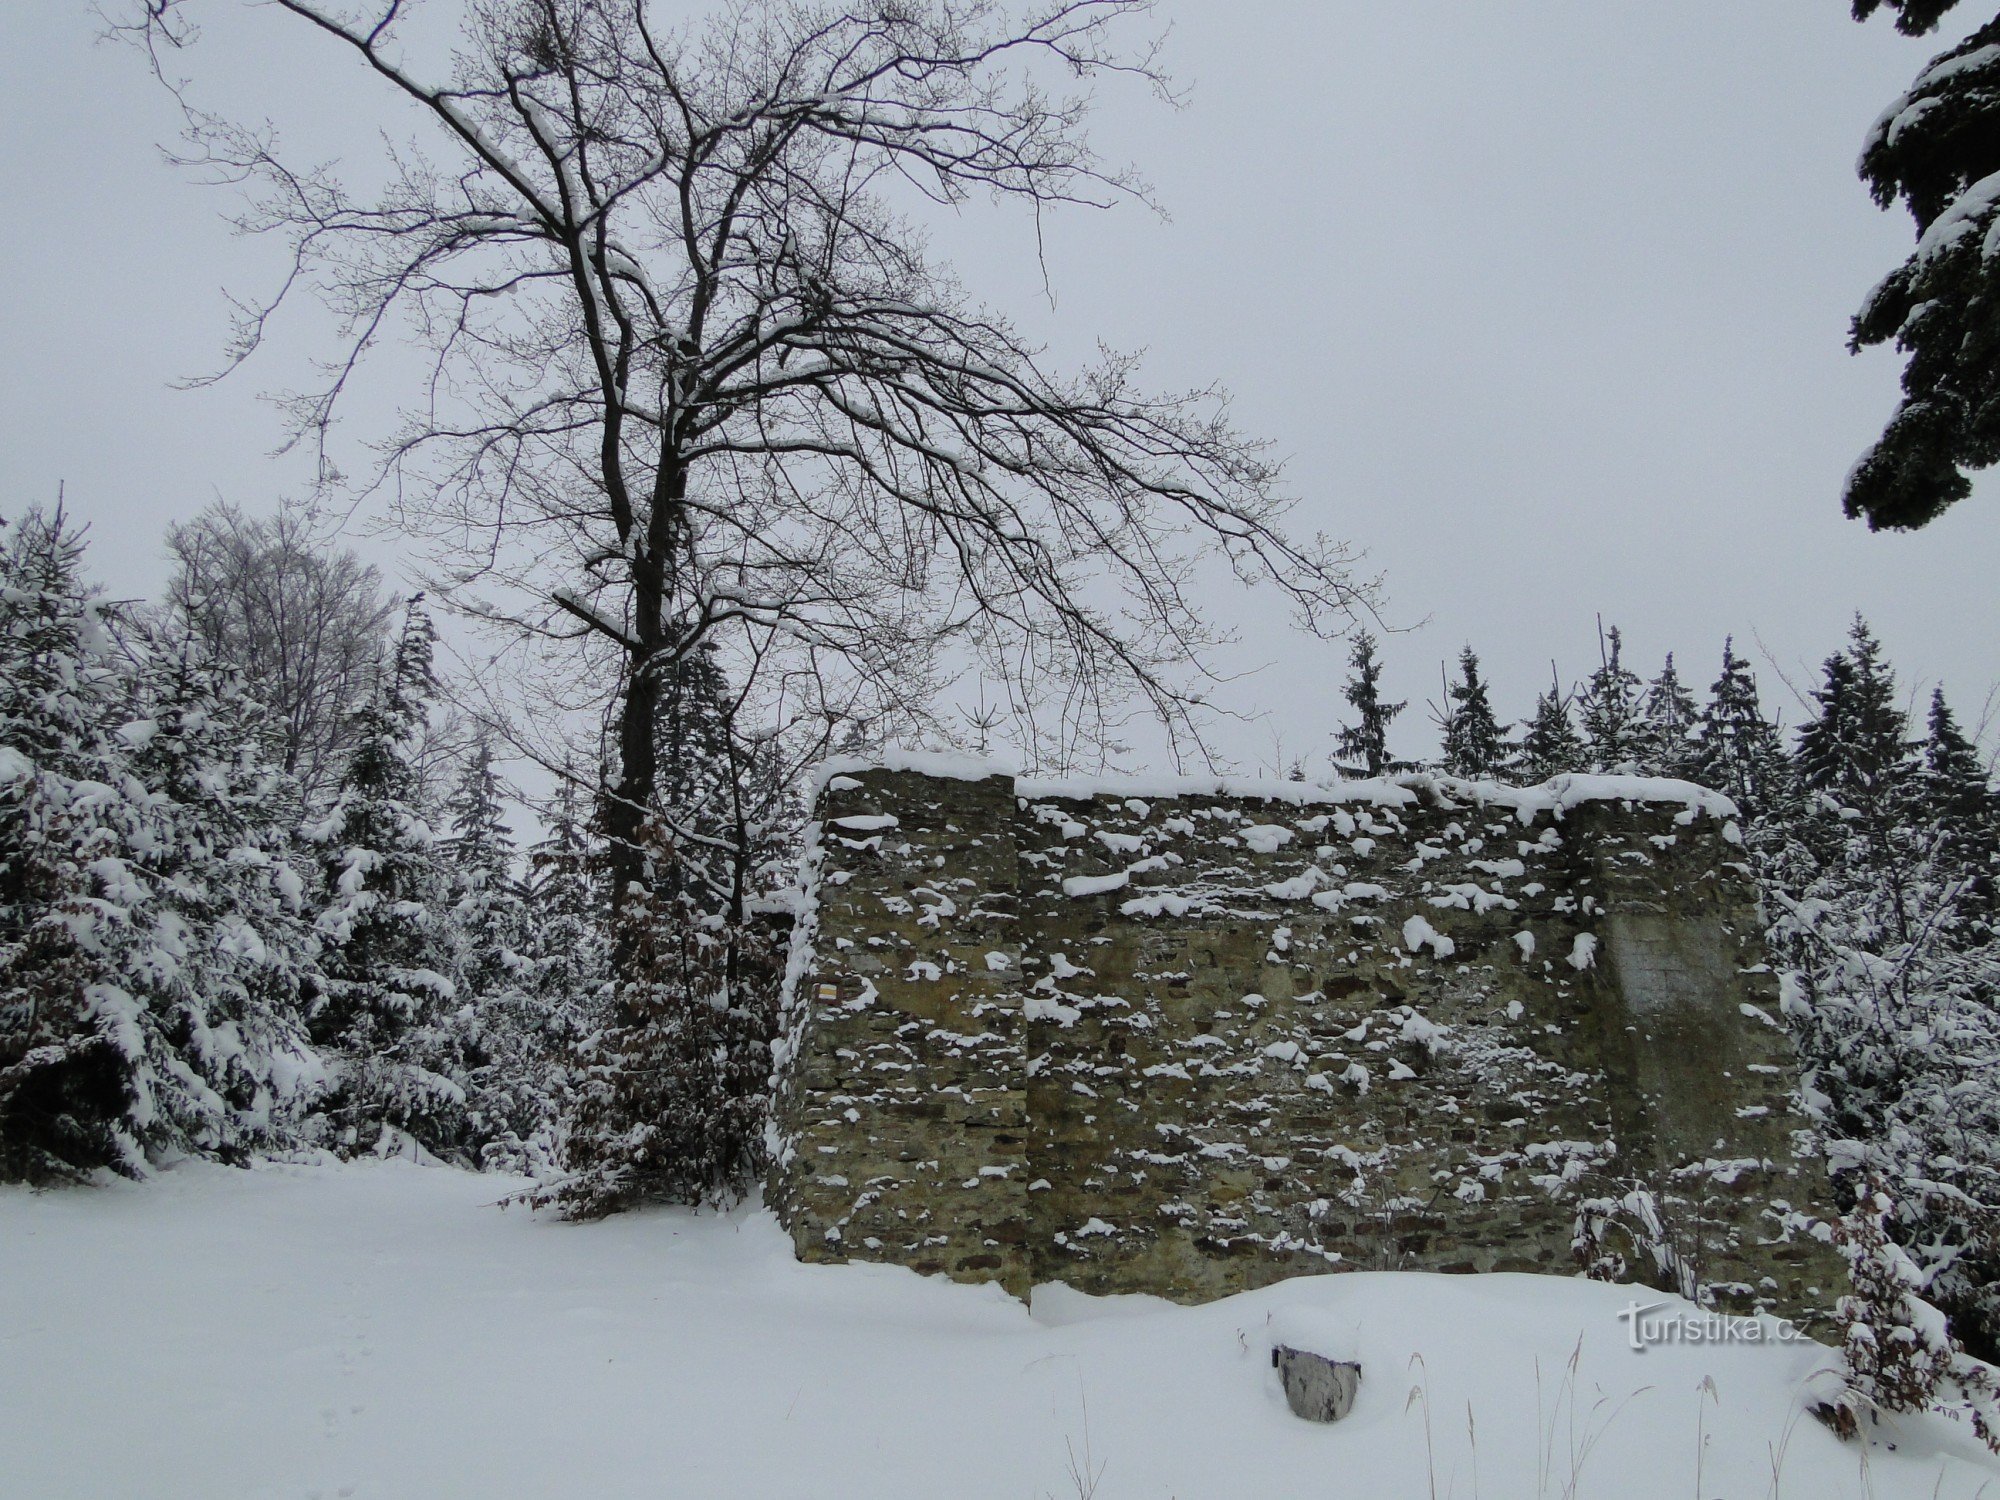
<point x="1195" y="1043"/>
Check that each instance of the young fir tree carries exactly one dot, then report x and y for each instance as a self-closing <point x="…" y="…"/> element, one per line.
<point x="695" y="742"/>
<point x="666" y="1091"/>
<point x="1897" y="1346"/>
<point x="1475" y="746"/>
<point x="1857" y="760"/>
<point x="478" y="852"/>
<point x="1899" y="1038"/>
<point x="386" y="1009"/>
<point x="1671" y="721"/>
<point x="568" y="958"/>
<point x="774" y="819"/>
<point x="1366" y="741"/>
<point x="1959" y="801"/>
<point x="667" y="1084"/>
<point x="1857" y="748"/>
<point x="1738" y="751"/>
<point x="1609" y="710"/>
<point x="1550" y="745"/>
<point x="504" y="1040"/>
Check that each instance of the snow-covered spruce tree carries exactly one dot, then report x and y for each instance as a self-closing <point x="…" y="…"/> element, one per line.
<point x="506" y="1044"/>
<point x="1897" y="1023"/>
<point x="235" y="955"/>
<point x="1861" y="816"/>
<point x="1738" y="751"/>
<point x="667" y="1083"/>
<point x="151" y="947"/>
<point x="68" y="1046"/>
<point x="569" y="957"/>
<point x="1610" y="711"/>
<point x="1670" y="720"/>
<point x="478" y="853"/>
<point x="1959" y="800"/>
<point x="385" y="1013"/>
<point x="1741" y="753"/>
<point x="1937" y="148"/>
<point x="1365" y="742"/>
<point x="666" y="1093"/>
<point x="695" y="741"/>
<point x="1857" y="748"/>
<point x="775" y="816"/>
<point x="1549" y="744"/>
<point x="727" y="787"/>
<point x="1475" y="746"/>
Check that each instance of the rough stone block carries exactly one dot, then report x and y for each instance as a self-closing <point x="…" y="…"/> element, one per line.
<point x="1316" y="1388"/>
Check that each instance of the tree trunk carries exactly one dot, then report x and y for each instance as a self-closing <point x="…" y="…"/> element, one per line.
<point x="653" y="644"/>
<point x="638" y="774"/>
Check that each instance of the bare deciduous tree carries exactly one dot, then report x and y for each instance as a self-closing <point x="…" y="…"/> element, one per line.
<point x="307" y="624"/>
<point x="696" y="378"/>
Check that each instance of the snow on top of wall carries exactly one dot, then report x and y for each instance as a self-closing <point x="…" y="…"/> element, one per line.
<point x="1557" y="795"/>
<point x="947" y="765"/>
<point x="1379" y="792"/>
<point x="1560" y="793"/>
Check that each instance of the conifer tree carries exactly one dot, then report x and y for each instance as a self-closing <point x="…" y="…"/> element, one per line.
<point x="695" y="738"/>
<point x="1898" y="1026"/>
<point x="1856" y="758"/>
<point x="1668" y="738"/>
<point x="1550" y="745"/>
<point x="667" y="1090"/>
<point x="150" y="946"/>
<point x="1366" y="741"/>
<point x="1959" y="801"/>
<point x="68" y="1100"/>
<point x="1898" y="1350"/>
<point x="1737" y="751"/>
<point x="568" y="953"/>
<point x="772" y="814"/>
<point x="666" y="1082"/>
<point x="1609" y="710"/>
<point x="228" y="982"/>
<point x="478" y="851"/>
<point x="1857" y="749"/>
<point x="1475" y="746"/>
<point x="384" y="1011"/>
<point x="1935" y="150"/>
<point x="507" y="1048"/>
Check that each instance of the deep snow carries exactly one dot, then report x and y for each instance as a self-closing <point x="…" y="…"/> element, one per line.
<point x="381" y="1330"/>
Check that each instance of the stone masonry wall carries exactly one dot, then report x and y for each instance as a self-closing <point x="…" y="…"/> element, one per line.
<point x="1195" y="1042"/>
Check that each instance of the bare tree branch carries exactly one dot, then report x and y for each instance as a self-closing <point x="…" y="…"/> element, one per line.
<point x="696" y="385"/>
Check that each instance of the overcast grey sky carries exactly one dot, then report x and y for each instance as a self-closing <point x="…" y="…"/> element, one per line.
<point x="1546" y="303"/>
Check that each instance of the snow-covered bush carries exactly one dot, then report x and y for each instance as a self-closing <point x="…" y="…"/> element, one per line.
<point x="668" y="1088"/>
<point x="1899" y="1352"/>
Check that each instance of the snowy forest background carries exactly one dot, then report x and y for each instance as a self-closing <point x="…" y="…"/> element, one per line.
<point x="261" y="896"/>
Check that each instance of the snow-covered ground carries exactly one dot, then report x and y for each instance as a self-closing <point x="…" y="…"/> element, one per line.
<point x="382" y="1330"/>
